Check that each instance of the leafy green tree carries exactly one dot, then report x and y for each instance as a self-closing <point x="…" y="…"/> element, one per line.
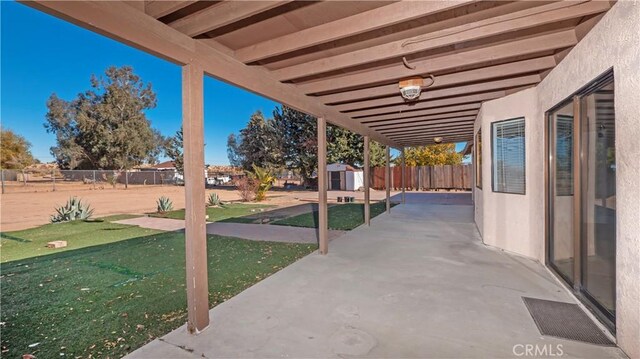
<point x="15" y="150"/>
<point x="174" y="150"/>
<point x="440" y="154"/>
<point x="344" y="146"/>
<point x="291" y="136"/>
<point x="297" y="132"/>
<point x="259" y="144"/>
<point x="233" y="151"/>
<point x="105" y="127"/>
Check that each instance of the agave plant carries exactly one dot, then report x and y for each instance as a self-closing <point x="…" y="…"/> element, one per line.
<point x="264" y="179"/>
<point x="73" y="210"/>
<point x="213" y="200"/>
<point x="164" y="205"/>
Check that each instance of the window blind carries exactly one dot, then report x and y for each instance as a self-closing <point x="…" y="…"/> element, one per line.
<point x="564" y="155"/>
<point x="508" y="156"/>
<point x="478" y="149"/>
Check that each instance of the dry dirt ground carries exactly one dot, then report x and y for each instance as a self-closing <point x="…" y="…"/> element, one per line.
<point x="31" y="209"/>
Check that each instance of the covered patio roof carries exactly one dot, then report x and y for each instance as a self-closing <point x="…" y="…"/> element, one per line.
<point x="342" y="60"/>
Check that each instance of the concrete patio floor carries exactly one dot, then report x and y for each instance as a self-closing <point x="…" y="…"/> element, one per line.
<point x="417" y="283"/>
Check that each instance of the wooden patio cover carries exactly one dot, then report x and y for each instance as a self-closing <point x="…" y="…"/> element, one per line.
<point x="342" y="60"/>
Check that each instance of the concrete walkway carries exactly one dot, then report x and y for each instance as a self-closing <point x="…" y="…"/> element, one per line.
<point x="255" y="232"/>
<point x="417" y="283"/>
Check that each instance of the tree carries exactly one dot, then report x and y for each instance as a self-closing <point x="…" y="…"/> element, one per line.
<point x="291" y="136"/>
<point x="259" y="144"/>
<point x="233" y="151"/>
<point x="105" y="127"/>
<point x="298" y="140"/>
<point x="344" y="146"/>
<point x="15" y="150"/>
<point x="440" y="154"/>
<point x="174" y="150"/>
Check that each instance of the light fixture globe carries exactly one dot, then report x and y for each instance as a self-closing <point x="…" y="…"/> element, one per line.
<point x="410" y="93"/>
<point x="437" y="139"/>
<point x="411" y="88"/>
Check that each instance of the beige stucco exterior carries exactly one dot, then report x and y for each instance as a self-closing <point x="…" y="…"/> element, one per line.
<point x="516" y="222"/>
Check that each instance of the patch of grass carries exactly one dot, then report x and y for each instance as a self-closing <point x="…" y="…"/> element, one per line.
<point x="106" y="301"/>
<point x="216" y="214"/>
<point x="341" y="217"/>
<point x="78" y="234"/>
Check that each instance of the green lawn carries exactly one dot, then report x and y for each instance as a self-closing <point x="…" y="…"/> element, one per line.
<point x="226" y="211"/>
<point x="342" y="217"/>
<point x="107" y="300"/>
<point x="32" y="242"/>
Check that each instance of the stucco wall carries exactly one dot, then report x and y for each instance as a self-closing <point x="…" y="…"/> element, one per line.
<point x="516" y="223"/>
<point x="505" y="220"/>
<point x="614" y="42"/>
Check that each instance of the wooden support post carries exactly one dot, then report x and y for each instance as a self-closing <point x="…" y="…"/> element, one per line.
<point x="195" y="230"/>
<point x="402" y="175"/>
<point x="366" y="179"/>
<point x="53" y="179"/>
<point x="387" y="178"/>
<point x="323" y="214"/>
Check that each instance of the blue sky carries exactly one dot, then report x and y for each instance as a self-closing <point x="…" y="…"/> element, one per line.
<point x="42" y="55"/>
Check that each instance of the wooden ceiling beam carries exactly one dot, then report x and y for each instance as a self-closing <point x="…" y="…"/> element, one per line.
<point x="399" y="109"/>
<point x="514" y="21"/>
<point x="353" y="25"/>
<point x="445" y="140"/>
<point x="449" y="130"/>
<point x="461" y="137"/>
<point x="431" y="135"/>
<point x="429" y="140"/>
<point x="160" y="8"/>
<point x="222" y="14"/>
<point x="430" y="119"/>
<point x="483" y="73"/>
<point x="428" y="94"/>
<point x="116" y="20"/>
<point x="458" y="137"/>
<point x="531" y="45"/>
<point x="443" y="111"/>
<point x="461" y="122"/>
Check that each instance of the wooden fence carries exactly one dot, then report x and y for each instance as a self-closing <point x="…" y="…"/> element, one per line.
<point x="425" y="177"/>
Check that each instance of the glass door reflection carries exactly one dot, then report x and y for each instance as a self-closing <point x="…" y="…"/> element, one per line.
<point x="561" y="251"/>
<point x="598" y="191"/>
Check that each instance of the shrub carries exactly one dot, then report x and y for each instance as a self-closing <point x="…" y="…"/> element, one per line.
<point x="247" y="188"/>
<point x="264" y="180"/>
<point x="73" y="210"/>
<point x="213" y="200"/>
<point x="164" y="205"/>
<point x="111" y="179"/>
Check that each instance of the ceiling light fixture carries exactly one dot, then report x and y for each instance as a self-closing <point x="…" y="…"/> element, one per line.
<point x="437" y="139"/>
<point x="411" y="88"/>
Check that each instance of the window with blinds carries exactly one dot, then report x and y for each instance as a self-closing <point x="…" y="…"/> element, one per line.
<point x="508" y="156"/>
<point x="478" y="148"/>
<point x="564" y="155"/>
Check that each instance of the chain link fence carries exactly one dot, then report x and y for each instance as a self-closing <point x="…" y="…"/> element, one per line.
<point x="61" y="180"/>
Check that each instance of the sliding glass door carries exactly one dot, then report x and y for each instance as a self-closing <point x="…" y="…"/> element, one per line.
<point x="581" y="210"/>
<point x="561" y="231"/>
<point x="598" y="220"/>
